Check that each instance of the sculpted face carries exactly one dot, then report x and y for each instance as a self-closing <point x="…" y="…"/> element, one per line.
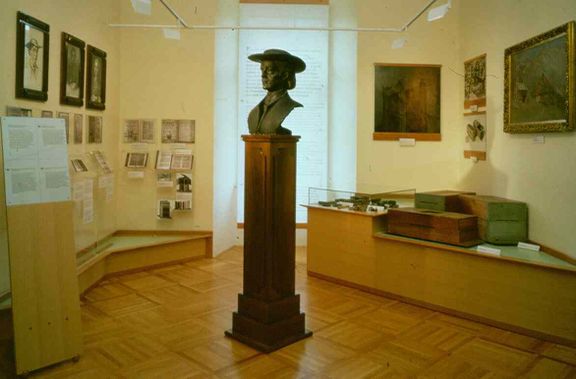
<point x="274" y="76"/>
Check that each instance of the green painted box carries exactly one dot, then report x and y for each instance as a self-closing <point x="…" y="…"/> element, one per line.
<point x="444" y="201"/>
<point x="500" y="221"/>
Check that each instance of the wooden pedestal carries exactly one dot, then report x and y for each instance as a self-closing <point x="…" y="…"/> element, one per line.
<point x="268" y="315"/>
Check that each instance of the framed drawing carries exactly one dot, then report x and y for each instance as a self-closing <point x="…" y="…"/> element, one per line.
<point x="539" y="83"/>
<point x="94" y="129"/>
<point x="407" y="102"/>
<point x="475" y="135"/>
<point x="136" y="160"/>
<point x="72" y="71"/>
<point x="32" y="51"/>
<point x="475" y="83"/>
<point x="66" y="117"/>
<point x="96" y="79"/>
<point x="78" y="128"/>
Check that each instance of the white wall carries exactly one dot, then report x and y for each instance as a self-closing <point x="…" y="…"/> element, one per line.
<point x="225" y="128"/>
<point x="164" y="78"/>
<point x="543" y="175"/>
<point x="428" y="165"/>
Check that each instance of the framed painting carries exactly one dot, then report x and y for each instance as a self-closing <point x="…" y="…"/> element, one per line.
<point x="72" y="71"/>
<point x="407" y="102"/>
<point x="32" y="51"/>
<point x="96" y="79"/>
<point x="475" y="83"/>
<point x="539" y="83"/>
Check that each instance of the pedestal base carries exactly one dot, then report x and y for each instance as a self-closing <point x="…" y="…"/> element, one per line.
<point x="268" y="326"/>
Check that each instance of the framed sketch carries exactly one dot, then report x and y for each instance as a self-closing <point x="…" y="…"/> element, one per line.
<point x="178" y="131"/>
<point x="96" y="79"/>
<point x="139" y="131"/>
<point x="475" y="135"/>
<point x="475" y="83"/>
<point x="407" y="102"/>
<point x="47" y="114"/>
<point x="539" y="83"/>
<point x="136" y="160"/>
<point x="18" y="112"/>
<point x="78" y="128"/>
<point x="183" y="182"/>
<point x="66" y="117"/>
<point x="94" y="129"/>
<point x="32" y="51"/>
<point x="72" y="71"/>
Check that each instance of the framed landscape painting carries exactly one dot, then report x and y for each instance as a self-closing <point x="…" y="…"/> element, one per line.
<point x="407" y="102"/>
<point x="539" y="83"/>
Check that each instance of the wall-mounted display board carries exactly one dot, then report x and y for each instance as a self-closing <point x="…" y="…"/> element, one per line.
<point x="45" y="301"/>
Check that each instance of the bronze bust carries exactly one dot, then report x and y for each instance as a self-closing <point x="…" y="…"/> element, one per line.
<point x="279" y="70"/>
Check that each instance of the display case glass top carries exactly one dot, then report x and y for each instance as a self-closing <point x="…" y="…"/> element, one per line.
<point x="374" y="201"/>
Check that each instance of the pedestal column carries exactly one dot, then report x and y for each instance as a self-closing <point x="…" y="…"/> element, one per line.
<point x="268" y="315"/>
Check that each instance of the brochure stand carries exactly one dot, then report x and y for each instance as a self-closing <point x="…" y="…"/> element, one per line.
<point x="44" y="286"/>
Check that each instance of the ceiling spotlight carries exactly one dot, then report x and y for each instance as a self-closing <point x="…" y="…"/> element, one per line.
<point x="439" y="12"/>
<point x="142" y="6"/>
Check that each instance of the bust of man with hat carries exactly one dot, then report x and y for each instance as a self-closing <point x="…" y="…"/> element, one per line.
<point x="279" y="70"/>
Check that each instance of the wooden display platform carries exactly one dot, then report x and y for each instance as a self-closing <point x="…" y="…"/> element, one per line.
<point x="115" y="257"/>
<point x="509" y="293"/>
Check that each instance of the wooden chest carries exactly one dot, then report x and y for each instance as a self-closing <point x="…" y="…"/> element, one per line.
<point x="453" y="228"/>
<point x="447" y="201"/>
<point x="500" y="221"/>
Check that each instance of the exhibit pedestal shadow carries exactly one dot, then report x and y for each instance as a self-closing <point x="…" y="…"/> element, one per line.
<point x="268" y="315"/>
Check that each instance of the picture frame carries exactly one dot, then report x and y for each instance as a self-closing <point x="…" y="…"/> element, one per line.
<point x="539" y="83"/>
<point x="96" y="78"/>
<point x="32" y="52"/>
<point x="72" y="71"/>
<point x="94" y="129"/>
<point x="407" y="101"/>
<point x="78" y="128"/>
<point x="475" y="83"/>
<point x="136" y="160"/>
<point x="66" y="117"/>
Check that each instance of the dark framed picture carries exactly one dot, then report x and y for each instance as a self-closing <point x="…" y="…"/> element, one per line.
<point x="539" y="83"/>
<point x="94" y="129"/>
<point x="72" y="71"/>
<point x="407" y="102"/>
<point x="32" y="51"/>
<point x="475" y="83"/>
<point x="96" y="79"/>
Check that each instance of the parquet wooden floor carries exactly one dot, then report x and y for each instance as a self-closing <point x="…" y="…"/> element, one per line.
<point x="170" y="322"/>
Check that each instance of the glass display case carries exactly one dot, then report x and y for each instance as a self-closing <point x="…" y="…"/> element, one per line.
<point x="373" y="201"/>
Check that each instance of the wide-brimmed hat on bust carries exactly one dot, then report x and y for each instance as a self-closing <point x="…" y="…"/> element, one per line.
<point x="279" y="55"/>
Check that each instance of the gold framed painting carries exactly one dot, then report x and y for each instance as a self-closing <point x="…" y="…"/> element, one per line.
<point x="539" y="83"/>
<point x="407" y="102"/>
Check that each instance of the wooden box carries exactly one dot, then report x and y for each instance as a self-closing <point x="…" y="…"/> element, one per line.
<point x="446" y="201"/>
<point x="453" y="228"/>
<point x="500" y="221"/>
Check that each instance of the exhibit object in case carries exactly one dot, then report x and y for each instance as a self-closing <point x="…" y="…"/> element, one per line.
<point x="376" y="201"/>
<point x="446" y="201"/>
<point x="448" y="227"/>
<point x="268" y="315"/>
<point x="500" y="221"/>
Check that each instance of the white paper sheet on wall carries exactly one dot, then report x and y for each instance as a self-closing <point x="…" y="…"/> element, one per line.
<point x="35" y="160"/>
